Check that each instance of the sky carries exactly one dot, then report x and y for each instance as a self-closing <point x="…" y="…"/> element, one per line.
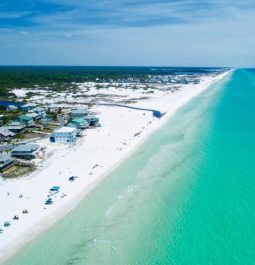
<point x="128" y="32"/>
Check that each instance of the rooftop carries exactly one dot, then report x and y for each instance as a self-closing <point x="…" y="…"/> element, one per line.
<point x="32" y="114"/>
<point x="14" y="127"/>
<point x="5" y="132"/>
<point x="14" y="123"/>
<point x="38" y="109"/>
<point x="12" y="107"/>
<point x="91" y="117"/>
<point x="25" y="117"/>
<point x="5" y="160"/>
<point x="29" y="105"/>
<point x="80" y="111"/>
<point x="79" y="120"/>
<point x="65" y="129"/>
<point x="25" y="148"/>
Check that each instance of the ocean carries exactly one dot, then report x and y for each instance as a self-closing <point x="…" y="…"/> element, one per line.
<point x="186" y="196"/>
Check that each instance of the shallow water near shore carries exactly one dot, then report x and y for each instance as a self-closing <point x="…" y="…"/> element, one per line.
<point x="186" y="196"/>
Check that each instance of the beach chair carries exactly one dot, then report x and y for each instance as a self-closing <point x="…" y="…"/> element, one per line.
<point x="6" y="224"/>
<point x="55" y="188"/>
<point x="48" y="201"/>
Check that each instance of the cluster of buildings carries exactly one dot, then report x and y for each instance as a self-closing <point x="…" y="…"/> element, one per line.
<point x="30" y="116"/>
<point x="161" y="79"/>
<point x="70" y="125"/>
<point x="80" y="119"/>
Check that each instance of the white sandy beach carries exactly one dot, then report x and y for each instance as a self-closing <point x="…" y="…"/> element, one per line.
<point x="90" y="159"/>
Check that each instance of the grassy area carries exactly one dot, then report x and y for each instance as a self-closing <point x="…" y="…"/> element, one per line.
<point x="18" y="171"/>
<point x="10" y="115"/>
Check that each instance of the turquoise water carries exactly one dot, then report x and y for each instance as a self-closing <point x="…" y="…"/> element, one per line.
<point x="185" y="197"/>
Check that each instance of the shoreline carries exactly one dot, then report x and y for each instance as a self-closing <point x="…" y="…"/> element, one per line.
<point x="54" y="214"/>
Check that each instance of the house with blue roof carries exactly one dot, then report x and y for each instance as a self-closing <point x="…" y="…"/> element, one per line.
<point x="15" y="127"/>
<point x="92" y="120"/>
<point x="79" y="113"/>
<point x="25" y="151"/>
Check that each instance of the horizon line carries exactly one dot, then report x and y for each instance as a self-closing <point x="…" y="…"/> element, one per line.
<point x="72" y="65"/>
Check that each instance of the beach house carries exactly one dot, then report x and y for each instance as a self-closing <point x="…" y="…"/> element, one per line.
<point x="64" y="134"/>
<point x="79" y="123"/>
<point x="35" y="116"/>
<point x="15" y="127"/>
<point x="79" y="113"/>
<point x="46" y="120"/>
<point x="52" y="108"/>
<point x="25" y="151"/>
<point x="5" y="134"/>
<point x="40" y="111"/>
<point x="27" y="107"/>
<point x="92" y="120"/>
<point x="6" y="162"/>
<point x="26" y="120"/>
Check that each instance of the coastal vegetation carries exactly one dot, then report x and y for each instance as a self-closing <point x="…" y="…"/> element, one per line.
<point x="62" y="78"/>
<point x="18" y="170"/>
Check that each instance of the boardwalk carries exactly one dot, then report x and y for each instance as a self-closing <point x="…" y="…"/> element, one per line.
<point x="155" y="113"/>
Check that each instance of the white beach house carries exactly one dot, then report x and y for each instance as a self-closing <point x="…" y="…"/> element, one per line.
<point x="40" y="111"/>
<point x="52" y="108"/>
<point x="64" y="134"/>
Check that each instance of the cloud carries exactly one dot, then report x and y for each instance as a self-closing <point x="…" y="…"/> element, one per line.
<point x="53" y="14"/>
<point x="24" y="33"/>
<point x="13" y="15"/>
<point x="129" y="31"/>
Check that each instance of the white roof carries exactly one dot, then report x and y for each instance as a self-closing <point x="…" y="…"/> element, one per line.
<point x="38" y="109"/>
<point x="5" y="159"/>
<point x="80" y="111"/>
<point x="32" y="114"/>
<point x="12" y="107"/>
<point x="5" y="132"/>
<point x="14" y="123"/>
<point x="26" y="148"/>
<point x="29" y="105"/>
<point x="65" y="129"/>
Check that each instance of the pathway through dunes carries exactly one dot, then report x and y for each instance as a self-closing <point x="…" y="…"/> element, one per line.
<point x="186" y="196"/>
